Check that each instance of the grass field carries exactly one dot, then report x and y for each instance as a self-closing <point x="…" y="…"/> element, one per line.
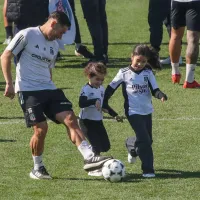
<point x="175" y="127"/>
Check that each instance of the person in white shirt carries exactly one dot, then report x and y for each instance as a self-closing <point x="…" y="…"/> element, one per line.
<point x="92" y="108"/>
<point x="185" y="13"/>
<point x="36" y="50"/>
<point x="138" y="85"/>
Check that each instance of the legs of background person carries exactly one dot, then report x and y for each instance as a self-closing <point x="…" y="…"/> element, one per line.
<point x="79" y="48"/>
<point x="192" y="53"/>
<point x="167" y="23"/>
<point x="175" y="52"/>
<point x="7" y="25"/>
<point x="158" y="11"/>
<point x="91" y="11"/>
<point x="142" y="125"/>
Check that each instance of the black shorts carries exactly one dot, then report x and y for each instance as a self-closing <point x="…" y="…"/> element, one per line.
<point x="186" y="14"/>
<point x="37" y="105"/>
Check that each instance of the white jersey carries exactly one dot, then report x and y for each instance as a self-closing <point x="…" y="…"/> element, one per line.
<point x="136" y="88"/>
<point x="91" y="112"/>
<point x="35" y="56"/>
<point x="185" y="0"/>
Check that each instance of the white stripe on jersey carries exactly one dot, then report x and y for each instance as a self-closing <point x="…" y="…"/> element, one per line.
<point x="91" y="112"/>
<point x="136" y="90"/>
<point x="36" y="56"/>
<point x="185" y="0"/>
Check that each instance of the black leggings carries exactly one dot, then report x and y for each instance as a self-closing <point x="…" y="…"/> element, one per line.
<point x="142" y="125"/>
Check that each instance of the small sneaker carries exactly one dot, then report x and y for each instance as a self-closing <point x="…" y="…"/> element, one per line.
<point x="194" y="84"/>
<point x="149" y="175"/>
<point x="7" y="40"/>
<point x="97" y="172"/>
<point x="83" y="51"/>
<point x="95" y="162"/>
<point x="40" y="174"/>
<point x="167" y="61"/>
<point x="131" y="159"/>
<point x="176" y="78"/>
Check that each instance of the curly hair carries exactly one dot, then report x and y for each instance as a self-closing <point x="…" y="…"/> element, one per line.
<point x="94" y="69"/>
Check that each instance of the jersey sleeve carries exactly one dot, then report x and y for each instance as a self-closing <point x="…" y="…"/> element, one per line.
<point x="18" y="43"/>
<point x="152" y="81"/>
<point x="83" y="99"/>
<point x="117" y="80"/>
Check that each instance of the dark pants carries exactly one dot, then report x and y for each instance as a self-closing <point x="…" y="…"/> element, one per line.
<point x="96" y="135"/>
<point x="142" y="125"/>
<point x="95" y="15"/>
<point x="159" y="10"/>
<point x="78" y="36"/>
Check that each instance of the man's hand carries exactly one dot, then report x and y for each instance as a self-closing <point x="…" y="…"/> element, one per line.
<point x="9" y="91"/>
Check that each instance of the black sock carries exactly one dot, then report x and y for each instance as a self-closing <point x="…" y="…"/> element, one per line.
<point x="9" y="31"/>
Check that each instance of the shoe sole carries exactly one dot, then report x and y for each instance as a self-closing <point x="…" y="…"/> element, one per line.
<point x="36" y="178"/>
<point x="94" y="166"/>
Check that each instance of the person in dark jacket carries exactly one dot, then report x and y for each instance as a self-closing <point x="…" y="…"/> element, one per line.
<point x="27" y="13"/>
<point x="95" y="15"/>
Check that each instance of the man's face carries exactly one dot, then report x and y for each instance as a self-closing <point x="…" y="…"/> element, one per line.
<point x="56" y="31"/>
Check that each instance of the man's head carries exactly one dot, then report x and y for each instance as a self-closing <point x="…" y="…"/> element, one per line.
<point x="57" y="24"/>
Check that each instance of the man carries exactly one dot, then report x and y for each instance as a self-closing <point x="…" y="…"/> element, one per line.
<point x="36" y="49"/>
<point x="95" y="15"/>
<point x="185" y="13"/>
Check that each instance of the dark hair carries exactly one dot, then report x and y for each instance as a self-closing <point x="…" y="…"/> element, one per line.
<point x="95" y="68"/>
<point x="61" y="17"/>
<point x="150" y="53"/>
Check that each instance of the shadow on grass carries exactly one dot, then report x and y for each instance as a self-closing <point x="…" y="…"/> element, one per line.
<point x="168" y="173"/>
<point x="126" y="179"/>
<point x="11" y="118"/>
<point x="2" y="140"/>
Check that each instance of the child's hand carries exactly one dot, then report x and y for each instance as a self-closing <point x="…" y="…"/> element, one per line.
<point x="119" y="118"/>
<point x="164" y="98"/>
<point x="98" y="105"/>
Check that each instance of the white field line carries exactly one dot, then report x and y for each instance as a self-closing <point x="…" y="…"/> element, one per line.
<point x="17" y="121"/>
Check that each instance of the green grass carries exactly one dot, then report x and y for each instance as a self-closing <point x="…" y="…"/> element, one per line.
<point x="175" y="127"/>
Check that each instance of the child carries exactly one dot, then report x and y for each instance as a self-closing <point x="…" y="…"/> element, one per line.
<point x="137" y="82"/>
<point x="91" y="103"/>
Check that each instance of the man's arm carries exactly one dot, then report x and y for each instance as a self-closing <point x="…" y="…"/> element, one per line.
<point x="6" y="58"/>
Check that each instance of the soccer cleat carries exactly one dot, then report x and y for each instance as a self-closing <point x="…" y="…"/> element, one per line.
<point x="83" y="51"/>
<point x="131" y="159"/>
<point x="95" y="162"/>
<point x="40" y="174"/>
<point x="97" y="172"/>
<point x="194" y="84"/>
<point x="149" y="175"/>
<point x="176" y="78"/>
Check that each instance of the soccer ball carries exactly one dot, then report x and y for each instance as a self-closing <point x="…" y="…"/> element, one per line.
<point x="113" y="170"/>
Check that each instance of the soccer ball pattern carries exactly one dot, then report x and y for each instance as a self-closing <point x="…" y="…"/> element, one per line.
<point x="113" y="170"/>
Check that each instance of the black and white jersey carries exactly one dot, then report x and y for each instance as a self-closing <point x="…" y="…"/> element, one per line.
<point x="136" y="88"/>
<point x="35" y="56"/>
<point x="91" y="94"/>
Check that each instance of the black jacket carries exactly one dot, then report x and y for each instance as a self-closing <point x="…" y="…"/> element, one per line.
<point x="27" y="12"/>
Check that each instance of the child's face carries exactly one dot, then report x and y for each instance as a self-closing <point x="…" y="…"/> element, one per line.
<point x="138" y="62"/>
<point x="97" y="80"/>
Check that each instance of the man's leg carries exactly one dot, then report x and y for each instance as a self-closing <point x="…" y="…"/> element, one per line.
<point x="7" y="25"/>
<point x="192" y="53"/>
<point x="92" y="162"/>
<point x="37" y="148"/>
<point x="158" y="11"/>
<point x="92" y="17"/>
